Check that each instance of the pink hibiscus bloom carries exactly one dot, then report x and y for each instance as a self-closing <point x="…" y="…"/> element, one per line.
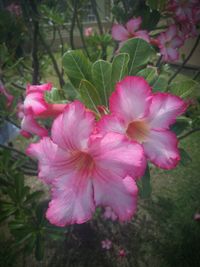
<point x="145" y="117"/>
<point x="86" y="170"/>
<point x="169" y="41"/>
<point x="132" y="29"/>
<point x="35" y="106"/>
<point x="88" y="31"/>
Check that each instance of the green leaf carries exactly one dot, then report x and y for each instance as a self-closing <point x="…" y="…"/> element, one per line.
<point x="139" y="52"/>
<point x="181" y="124"/>
<point x="39" y="249"/>
<point x="146" y="188"/>
<point x="55" y="96"/>
<point x="119" y="68"/>
<point x="70" y="91"/>
<point x="157" y="4"/>
<point x="185" y="157"/>
<point x="101" y="75"/>
<point x="77" y="67"/>
<point x="184" y="88"/>
<point x="150" y="74"/>
<point x="160" y="84"/>
<point x="89" y="95"/>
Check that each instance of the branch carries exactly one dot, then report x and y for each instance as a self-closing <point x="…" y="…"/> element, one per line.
<point x="73" y="24"/>
<point x="188" y="133"/>
<point x="185" y="61"/>
<point x="48" y="50"/>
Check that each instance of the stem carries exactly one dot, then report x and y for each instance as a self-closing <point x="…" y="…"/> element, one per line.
<point x="73" y="24"/>
<point x="94" y="7"/>
<point x="196" y="75"/>
<point x="188" y="133"/>
<point x="82" y="36"/>
<point x="185" y="61"/>
<point x="158" y="63"/>
<point x="35" y="63"/>
<point x="18" y="86"/>
<point x="17" y="151"/>
<point x="48" y="50"/>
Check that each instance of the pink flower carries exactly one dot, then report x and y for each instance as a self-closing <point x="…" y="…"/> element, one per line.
<point x="86" y="170"/>
<point x="88" y="31"/>
<point x="145" y="117"/>
<point x="35" y="106"/>
<point x="109" y="214"/>
<point x="183" y="9"/>
<point x="106" y="244"/>
<point x="14" y="9"/>
<point x="131" y="29"/>
<point x="197" y="217"/>
<point x="122" y="253"/>
<point x="169" y="41"/>
<point x="9" y="97"/>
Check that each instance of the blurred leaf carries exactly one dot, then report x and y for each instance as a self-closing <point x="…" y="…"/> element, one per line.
<point x="89" y="95"/>
<point x="149" y="73"/>
<point x="139" y="52"/>
<point x="184" y="88"/>
<point x="55" y="96"/>
<point x="160" y="84"/>
<point x="101" y="75"/>
<point x="146" y="188"/>
<point x="119" y="68"/>
<point x="77" y="67"/>
<point x="185" y="157"/>
<point x="157" y="4"/>
<point x="34" y="196"/>
<point x="70" y="91"/>
<point x="39" y="249"/>
<point x="181" y="124"/>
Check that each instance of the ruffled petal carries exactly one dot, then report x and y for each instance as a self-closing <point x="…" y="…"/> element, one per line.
<point x="35" y="101"/>
<point x="171" y="32"/>
<point x="119" y="194"/>
<point x="172" y="53"/>
<point x="38" y="88"/>
<point x="119" y="33"/>
<point x="164" y="109"/>
<point x="111" y="123"/>
<point x="177" y="42"/>
<point x="72" y="200"/>
<point x="161" y="149"/>
<point x="133" y="25"/>
<point x="29" y="124"/>
<point x="116" y="153"/>
<point x="53" y="161"/>
<point x="72" y="128"/>
<point x="143" y="35"/>
<point x="131" y="99"/>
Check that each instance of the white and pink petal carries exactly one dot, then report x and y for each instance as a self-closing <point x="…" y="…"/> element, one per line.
<point x="119" y="33"/>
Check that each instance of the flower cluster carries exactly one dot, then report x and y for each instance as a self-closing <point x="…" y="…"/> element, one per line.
<point x="91" y="163"/>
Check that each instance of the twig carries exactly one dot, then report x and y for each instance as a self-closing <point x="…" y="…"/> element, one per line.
<point x="158" y="63"/>
<point x="18" y="86"/>
<point x="188" y="133"/>
<point x="48" y="50"/>
<point x="185" y="61"/>
<point x="73" y="24"/>
<point x="196" y="75"/>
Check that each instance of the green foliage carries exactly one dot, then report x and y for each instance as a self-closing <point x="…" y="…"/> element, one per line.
<point x="55" y="96"/>
<point x="145" y="184"/>
<point x="77" y="67"/>
<point x="185" y="88"/>
<point x="139" y="52"/>
<point x="101" y="75"/>
<point x="119" y="68"/>
<point x="157" y="4"/>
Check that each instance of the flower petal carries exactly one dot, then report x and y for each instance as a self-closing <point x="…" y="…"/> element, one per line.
<point x="72" y="200"/>
<point x="119" y="33"/>
<point x="73" y="127"/>
<point x="53" y="161"/>
<point x="172" y="54"/>
<point x="38" y="88"/>
<point x="143" y="35"/>
<point x="131" y="98"/>
<point x="164" y="109"/>
<point x="161" y="149"/>
<point x="29" y="124"/>
<point x="119" y="194"/>
<point x="111" y="123"/>
<point x="133" y="25"/>
<point x="116" y="153"/>
<point x="171" y="32"/>
<point x="177" y="42"/>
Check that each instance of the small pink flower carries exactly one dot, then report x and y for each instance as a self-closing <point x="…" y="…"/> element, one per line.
<point x="122" y="253"/>
<point x="131" y="29"/>
<point x="35" y="106"/>
<point x="169" y="41"/>
<point x="106" y="244"/>
<point x="8" y="96"/>
<point x="88" y="31"/>
<point x="109" y="214"/>
<point x="86" y="171"/>
<point x="14" y="9"/>
<point x="197" y="217"/>
<point x="145" y="117"/>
